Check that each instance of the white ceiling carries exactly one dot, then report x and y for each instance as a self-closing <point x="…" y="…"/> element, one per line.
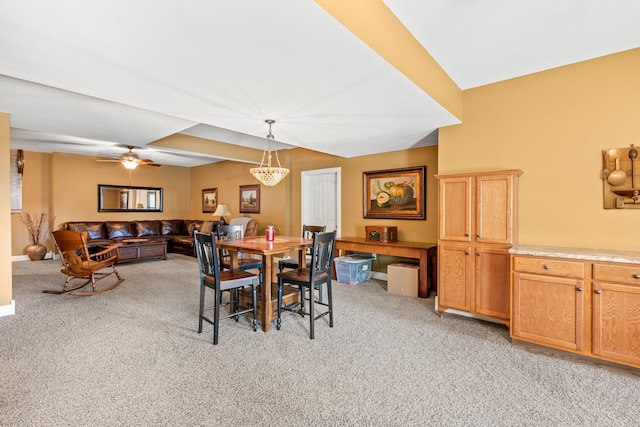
<point x="91" y="77"/>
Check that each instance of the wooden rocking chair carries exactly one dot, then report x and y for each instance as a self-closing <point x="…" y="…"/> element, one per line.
<point x="79" y="263"/>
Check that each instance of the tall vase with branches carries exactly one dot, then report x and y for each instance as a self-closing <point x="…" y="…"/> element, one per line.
<point x="37" y="226"/>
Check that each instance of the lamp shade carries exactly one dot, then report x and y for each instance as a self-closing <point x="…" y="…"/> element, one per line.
<point x="221" y="210"/>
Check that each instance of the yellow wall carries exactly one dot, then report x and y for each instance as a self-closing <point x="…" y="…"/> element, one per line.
<point x="554" y="125"/>
<point x="281" y="205"/>
<point x="227" y="177"/>
<point x="66" y="187"/>
<point x="5" y="219"/>
<point x="70" y="183"/>
<point x="36" y="198"/>
<point x="75" y="182"/>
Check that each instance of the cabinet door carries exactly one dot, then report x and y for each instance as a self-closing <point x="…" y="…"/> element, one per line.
<point x="548" y="310"/>
<point x="455" y="196"/>
<point x="495" y="209"/>
<point x="492" y="292"/>
<point x="616" y="322"/>
<point x="454" y="277"/>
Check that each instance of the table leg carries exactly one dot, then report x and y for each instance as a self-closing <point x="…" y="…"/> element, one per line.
<point x="233" y="260"/>
<point x="423" y="283"/>
<point x="265" y="318"/>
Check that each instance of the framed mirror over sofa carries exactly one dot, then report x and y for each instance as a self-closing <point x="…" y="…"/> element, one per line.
<point x="124" y="198"/>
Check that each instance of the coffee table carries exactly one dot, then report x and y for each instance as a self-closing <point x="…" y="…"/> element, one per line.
<point x="138" y="249"/>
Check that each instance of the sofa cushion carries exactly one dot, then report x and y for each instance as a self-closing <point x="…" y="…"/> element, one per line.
<point x="94" y="230"/>
<point x="249" y="225"/>
<point x="191" y="225"/>
<point x="119" y="229"/>
<point x="148" y="228"/>
<point x="171" y="227"/>
<point x="208" y="227"/>
<point x="183" y="241"/>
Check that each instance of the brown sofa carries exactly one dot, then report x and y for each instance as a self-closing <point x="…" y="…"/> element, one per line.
<point x="177" y="232"/>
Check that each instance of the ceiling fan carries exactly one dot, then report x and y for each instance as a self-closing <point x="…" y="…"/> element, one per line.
<point x="130" y="160"/>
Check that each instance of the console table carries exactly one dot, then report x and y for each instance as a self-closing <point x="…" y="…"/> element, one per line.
<point x="425" y="252"/>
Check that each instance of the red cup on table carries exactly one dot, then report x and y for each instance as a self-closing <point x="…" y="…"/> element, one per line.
<point x="270" y="233"/>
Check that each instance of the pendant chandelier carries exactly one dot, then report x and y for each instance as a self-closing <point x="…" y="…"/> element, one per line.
<point x="267" y="174"/>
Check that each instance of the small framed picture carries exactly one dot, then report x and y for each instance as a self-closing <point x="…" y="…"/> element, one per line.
<point x="209" y="200"/>
<point x="250" y="198"/>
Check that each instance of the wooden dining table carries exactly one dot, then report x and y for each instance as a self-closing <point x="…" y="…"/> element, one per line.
<point x="259" y="245"/>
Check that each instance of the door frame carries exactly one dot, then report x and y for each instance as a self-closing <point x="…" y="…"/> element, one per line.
<point x="305" y="181"/>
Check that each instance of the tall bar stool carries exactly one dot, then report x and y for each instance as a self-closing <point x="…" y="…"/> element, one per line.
<point x="309" y="280"/>
<point x="229" y="280"/>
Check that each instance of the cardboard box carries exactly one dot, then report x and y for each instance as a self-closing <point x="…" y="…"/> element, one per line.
<point x="402" y="279"/>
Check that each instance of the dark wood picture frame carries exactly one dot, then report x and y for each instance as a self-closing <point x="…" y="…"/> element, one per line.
<point x="209" y="200"/>
<point x="395" y="193"/>
<point x="250" y="198"/>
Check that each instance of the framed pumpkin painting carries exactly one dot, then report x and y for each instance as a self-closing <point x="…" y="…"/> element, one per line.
<point x="395" y="193"/>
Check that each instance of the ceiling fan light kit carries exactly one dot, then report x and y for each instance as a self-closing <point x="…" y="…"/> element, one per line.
<point x="265" y="173"/>
<point x="130" y="160"/>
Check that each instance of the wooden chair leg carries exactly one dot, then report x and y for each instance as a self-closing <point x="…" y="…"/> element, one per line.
<point x="330" y="302"/>
<point x="216" y="316"/>
<point x="279" y="320"/>
<point x="312" y="311"/>
<point x="201" y="310"/>
<point x="255" y="307"/>
<point x="302" y="300"/>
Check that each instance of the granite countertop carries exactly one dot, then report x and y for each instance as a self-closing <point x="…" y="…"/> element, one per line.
<point x="587" y="254"/>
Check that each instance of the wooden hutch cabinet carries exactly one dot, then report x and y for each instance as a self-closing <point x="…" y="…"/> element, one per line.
<point x="477" y="226"/>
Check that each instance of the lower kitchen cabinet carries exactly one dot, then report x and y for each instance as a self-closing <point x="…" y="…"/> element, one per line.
<point x="548" y="310"/>
<point x="616" y="313"/>
<point x="581" y="305"/>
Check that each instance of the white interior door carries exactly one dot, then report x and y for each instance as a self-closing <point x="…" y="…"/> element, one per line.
<point x="321" y="198"/>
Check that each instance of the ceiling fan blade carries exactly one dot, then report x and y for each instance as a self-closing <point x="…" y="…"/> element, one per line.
<point x="129" y="156"/>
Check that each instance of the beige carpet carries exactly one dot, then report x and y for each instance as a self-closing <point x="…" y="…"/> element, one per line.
<point x="132" y="357"/>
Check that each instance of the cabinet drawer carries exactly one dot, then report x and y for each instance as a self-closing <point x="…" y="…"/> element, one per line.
<point x="549" y="267"/>
<point x="628" y="274"/>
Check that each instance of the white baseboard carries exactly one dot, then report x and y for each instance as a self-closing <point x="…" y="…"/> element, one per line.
<point x="379" y="275"/>
<point x="49" y="255"/>
<point x="465" y="314"/>
<point x="8" y="310"/>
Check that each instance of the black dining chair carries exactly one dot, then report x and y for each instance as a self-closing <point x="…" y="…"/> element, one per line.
<point x="308" y="280"/>
<point x="229" y="232"/>
<point x="308" y="231"/>
<point x="229" y="280"/>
